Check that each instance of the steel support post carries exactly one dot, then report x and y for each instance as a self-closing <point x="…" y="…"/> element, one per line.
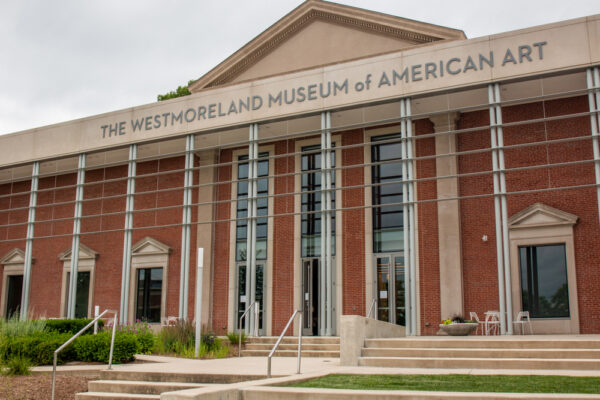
<point x="186" y="228"/>
<point x="72" y="294"/>
<point x="405" y="216"/>
<point x="497" y="208"/>
<point x="251" y="225"/>
<point x="323" y="262"/>
<point x="593" y="84"/>
<point x="129" y="206"/>
<point x="29" y="240"/>
<point x="504" y="208"/>
<point x="412" y="304"/>
<point x="329" y="232"/>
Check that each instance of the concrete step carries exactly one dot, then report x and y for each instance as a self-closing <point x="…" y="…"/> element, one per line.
<point x="294" y="339"/>
<point x="115" y="396"/>
<point x="138" y="387"/>
<point x="482" y="353"/>
<point x="490" y="342"/>
<point x="291" y="353"/>
<point x="121" y="375"/>
<point x="480" y="363"/>
<point x="305" y="346"/>
<point x="275" y="393"/>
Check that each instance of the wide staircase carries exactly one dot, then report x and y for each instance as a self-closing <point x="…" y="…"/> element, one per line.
<point x="536" y="352"/>
<point x="312" y="346"/>
<point x="131" y="385"/>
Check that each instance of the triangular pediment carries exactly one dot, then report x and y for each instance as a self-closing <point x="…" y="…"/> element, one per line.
<point x="541" y="215"/>
<point x="319" y="33"/>
<point x="15" y="256"/>
<point x="149" y="245"/>
<point x="85" y="253"/>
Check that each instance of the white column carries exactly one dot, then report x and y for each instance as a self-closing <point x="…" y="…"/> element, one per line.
<point x="29" y="240"/>
<point x="186" y="228"/>
<point x="72" y="295"/>
<point x="593" y="84"/>
<point x="497" y="207"/>
<point x="323" y="262"/>
<point x="329" y="232"/>
<point x="412" y="219"/>
<point x="129" y="206"/>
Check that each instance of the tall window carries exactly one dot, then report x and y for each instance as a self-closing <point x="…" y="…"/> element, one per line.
<point x="262" y="208"/>
<point x="82" y="296"/>
<point x="149" y="294"/>
<point x="544" y="287"/>
<point x="388" y="226"/>
<point x="311" y="202"/>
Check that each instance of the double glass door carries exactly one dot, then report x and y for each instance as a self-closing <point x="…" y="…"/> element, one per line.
<point x="244" y="296"/>
<point x="310" y="296"/>
<point x="391" y="303"/>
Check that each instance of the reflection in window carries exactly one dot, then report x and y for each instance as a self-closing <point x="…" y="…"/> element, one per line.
<point x="311" y="202"/>
<point x="149" y="294"/>
<point x="262" y="208"/>
<point x="544" y="286"/>
<point x="388" y="232"/>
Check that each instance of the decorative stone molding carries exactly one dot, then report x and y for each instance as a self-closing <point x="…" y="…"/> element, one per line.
<point x="15" y="256"/>
<point x="541" y="215"/>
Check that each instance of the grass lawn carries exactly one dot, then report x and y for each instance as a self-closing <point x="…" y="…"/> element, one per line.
<point x="458" y="383"/>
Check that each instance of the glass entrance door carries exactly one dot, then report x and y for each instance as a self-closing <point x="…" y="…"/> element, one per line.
<point x="244" y="296"/>
<point x="391" y="306"/>
<point x="310" y="296"/>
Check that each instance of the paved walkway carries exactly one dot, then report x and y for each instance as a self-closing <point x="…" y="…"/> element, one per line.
<point x="283" y="366"/>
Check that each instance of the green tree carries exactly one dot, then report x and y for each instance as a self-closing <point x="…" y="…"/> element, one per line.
<point x="179" y="92"/>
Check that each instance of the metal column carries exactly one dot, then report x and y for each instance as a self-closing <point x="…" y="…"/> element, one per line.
<point x="129" y="206"/>
<point x="186" y="228"/>
<point x="412" y="263"/>
<point x="499" y="206"/>
<point x="251" y="327"/>
<point x="326" y="274"/>
<point x="72" y="295"/>
<point x="29" y="240"/>
<point x="593" y="84"/>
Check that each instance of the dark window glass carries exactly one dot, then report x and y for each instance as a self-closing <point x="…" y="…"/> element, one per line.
<point x="13" y="296"/>
<point x="311" y="202"/>
<point x="262" y="204"/>
<point x="149" y="294"/>
<point x="388" y="225"/>
<point x="244" y="301"/>
<point x="544" y="287"/>
<point x="82" y="296"/>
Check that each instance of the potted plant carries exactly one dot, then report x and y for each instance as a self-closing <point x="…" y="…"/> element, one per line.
<point x="457" y="326"/>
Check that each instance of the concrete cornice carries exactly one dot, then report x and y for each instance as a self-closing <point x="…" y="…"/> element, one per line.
<point x="309" y="11"/>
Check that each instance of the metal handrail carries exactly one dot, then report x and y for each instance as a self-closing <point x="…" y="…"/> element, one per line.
<point x="373" y="303"/>
<point x="281" y="337"/>
<point x="240" y="329"/>
<point x="68" y="342"/>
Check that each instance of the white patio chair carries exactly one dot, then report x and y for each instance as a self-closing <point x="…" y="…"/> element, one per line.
<point x="522" y="319"/>
<point x="492" y="323"/>
<point x="474" y="317"/>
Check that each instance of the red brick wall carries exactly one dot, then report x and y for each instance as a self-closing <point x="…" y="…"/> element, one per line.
<point x="477" y="214"/>
<point x="429" y="274"/>
<point x="283" y="237"/>
<point x="221" y="246"/>
<point x="353" y="227"/>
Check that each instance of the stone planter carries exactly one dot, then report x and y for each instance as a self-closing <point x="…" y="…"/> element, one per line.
<point x="458" y="329"/>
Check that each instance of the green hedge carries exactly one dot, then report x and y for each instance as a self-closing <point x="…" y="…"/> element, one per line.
<point x="71" y="326"/>
<point x="39" y="348"/>
<point x="97" y="347"/>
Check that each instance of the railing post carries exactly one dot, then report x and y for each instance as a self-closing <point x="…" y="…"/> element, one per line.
<point x="112" y="341"/>
<point x="299" y="344"/>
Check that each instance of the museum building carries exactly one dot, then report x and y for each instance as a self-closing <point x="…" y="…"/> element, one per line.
<point x="343" y="162"/>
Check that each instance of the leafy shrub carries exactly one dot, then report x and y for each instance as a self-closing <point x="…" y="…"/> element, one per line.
<point x="71" y="326"/>
<point x="143" y="333"/>
<point x="234" y="337"/>
<point x="15" y="327"/>
<point x="97" y="347"/>
<point x="38" y="348"/>
<point x="17" y="365"/>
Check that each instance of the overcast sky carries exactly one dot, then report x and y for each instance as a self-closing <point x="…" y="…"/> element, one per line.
<point x="66" y="59"/>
